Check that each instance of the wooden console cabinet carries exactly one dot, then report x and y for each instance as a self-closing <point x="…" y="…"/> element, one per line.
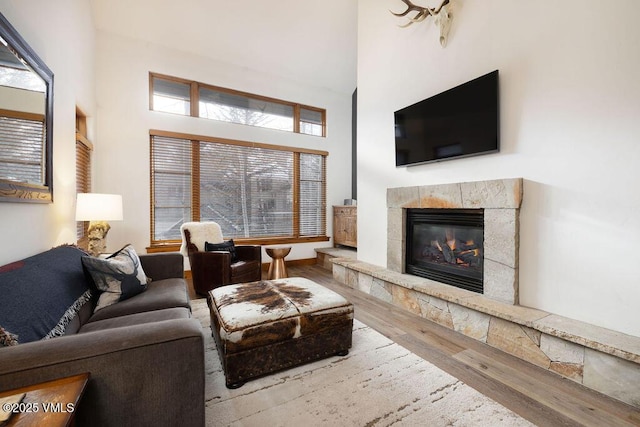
<point x="345" y="226"/>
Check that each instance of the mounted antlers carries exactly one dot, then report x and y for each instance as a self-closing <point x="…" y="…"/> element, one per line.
<point x="441" y="15"/>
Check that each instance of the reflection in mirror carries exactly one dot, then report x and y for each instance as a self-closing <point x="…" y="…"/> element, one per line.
<point x="26" y="90"/>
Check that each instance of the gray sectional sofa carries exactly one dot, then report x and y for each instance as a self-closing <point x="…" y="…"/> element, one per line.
<point x="145" y="354"/>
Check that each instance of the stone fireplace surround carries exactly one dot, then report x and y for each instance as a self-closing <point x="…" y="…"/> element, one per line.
<point x="598" y="358"/>
<point x="500" y="199"/>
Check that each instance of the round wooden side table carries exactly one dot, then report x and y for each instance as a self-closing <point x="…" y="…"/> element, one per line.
<point x="277" y="269"/>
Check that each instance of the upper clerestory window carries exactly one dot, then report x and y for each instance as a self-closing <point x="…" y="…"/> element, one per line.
<point x="190" y="98"/>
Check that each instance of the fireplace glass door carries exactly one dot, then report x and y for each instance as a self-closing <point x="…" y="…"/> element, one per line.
<point x="446" y="245"/>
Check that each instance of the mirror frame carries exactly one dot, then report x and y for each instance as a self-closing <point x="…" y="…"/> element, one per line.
<point x="31" y="193"/>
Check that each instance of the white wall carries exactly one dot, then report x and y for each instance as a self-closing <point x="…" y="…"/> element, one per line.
<point x="311" y="42"/>
<point x="61" y="33"/>
<point x="22" y="100"/>
<point x="124" y="120"/>
<point x="570" y="102"/>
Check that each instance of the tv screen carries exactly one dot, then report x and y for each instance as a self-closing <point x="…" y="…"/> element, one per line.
<point x="460" y="122"/>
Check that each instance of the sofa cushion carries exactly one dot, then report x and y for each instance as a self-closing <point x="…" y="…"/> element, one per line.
<point x="119" y="276"/>
<point x="81" y="318"/>
<point x="43" y="293"/>
<point x="161" y="294"/>
<point x="137" y="319"/>
<point x="162" y="265"/>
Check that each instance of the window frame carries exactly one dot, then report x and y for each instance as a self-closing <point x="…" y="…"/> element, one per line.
<point x="38" y="122"/>
<point x="195" y="190"/>
<point x="195" y="102"/>
<point x="84" y="150"/>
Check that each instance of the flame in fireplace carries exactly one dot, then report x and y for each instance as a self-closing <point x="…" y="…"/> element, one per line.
<point x="452" y="244"/>
<point x="472" y="252"/>
<point x="450" y="250"/>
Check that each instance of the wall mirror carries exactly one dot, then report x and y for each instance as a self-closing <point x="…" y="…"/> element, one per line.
<point x="26" y="121"/>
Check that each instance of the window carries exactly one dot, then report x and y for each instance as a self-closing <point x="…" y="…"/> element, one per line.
<point x="189" y="98"/>
<point x="171" y="96"/>
<point x="227" y="107"/>
<point x="312" y="121"/>
<point x="171" y="186"/>
<point x="312" y="201"/>
<point x="83" y="168"/>
<point x="22" y="147"/>
<point x="254" y="191"/>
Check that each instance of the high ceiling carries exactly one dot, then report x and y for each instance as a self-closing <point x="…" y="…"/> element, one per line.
<point x="310" y="41"/>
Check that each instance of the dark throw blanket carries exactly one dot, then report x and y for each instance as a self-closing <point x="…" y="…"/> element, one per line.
<point x="41" y="294"/>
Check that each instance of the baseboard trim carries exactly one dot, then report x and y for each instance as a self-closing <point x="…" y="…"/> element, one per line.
<point x="265" y="265"/>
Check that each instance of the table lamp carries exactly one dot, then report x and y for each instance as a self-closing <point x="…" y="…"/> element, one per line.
<point x="98" y="209"/>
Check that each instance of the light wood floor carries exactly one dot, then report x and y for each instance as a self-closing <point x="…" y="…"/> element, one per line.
<point x="541" y="397"/>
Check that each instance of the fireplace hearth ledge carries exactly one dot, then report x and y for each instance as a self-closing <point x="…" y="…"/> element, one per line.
<point x="601" y="359"/>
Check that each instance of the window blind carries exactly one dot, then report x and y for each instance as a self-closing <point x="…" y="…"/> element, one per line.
<point x="83" y="179"/>
<point x="312" y="195"/>
<point x="22" y="150"/>
<point x="247" y="190"/>
<point x="171" y="186"/>
<point x="251" y="190"/>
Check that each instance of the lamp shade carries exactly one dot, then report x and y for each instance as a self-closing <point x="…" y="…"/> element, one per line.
<point x="98" y="207"/>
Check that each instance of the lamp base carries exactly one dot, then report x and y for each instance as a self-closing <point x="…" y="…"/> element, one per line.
<point x="97" y="234"/>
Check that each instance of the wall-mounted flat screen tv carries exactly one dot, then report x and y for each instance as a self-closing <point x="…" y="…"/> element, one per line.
<point x="460" y="122"/>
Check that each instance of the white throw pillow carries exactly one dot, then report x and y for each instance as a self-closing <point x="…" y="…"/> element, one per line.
<point x="118" y="277"/>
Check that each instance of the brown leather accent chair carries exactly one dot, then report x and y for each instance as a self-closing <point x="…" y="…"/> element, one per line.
<point x="212" y="269"/>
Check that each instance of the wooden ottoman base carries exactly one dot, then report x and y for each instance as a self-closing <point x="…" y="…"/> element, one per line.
<point x="267" y="326"/>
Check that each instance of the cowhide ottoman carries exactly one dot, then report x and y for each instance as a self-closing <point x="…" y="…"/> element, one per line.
<point x="263" y="327"/>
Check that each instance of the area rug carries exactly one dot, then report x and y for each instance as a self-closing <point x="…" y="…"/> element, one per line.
<point x="379" y="383"/>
